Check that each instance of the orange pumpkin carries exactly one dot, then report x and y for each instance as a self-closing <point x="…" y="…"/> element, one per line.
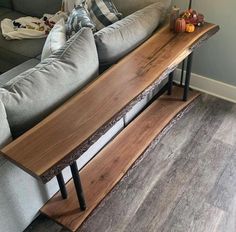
<point x="180" y="25"/>
<point x="190" y="28"/>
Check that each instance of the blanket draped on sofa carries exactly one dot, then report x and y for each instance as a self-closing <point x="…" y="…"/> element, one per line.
<point x="30" y="27"/>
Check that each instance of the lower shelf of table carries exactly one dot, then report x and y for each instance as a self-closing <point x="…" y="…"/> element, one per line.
<point x="110" y="165"/>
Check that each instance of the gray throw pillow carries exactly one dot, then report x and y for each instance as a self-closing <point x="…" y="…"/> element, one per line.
<point x="5" y="133"/>
<point x="34" y="94"/>
<point x="118" y="39"/>
<point x="55" y="40"/>
<point x="103" y="12"/>
<point x="78" y="19"/>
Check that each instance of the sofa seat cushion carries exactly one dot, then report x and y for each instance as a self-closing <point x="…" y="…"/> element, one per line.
<point x="26" y="47"/>
<point x="4" y="11"/>
<point x="128" y="7"/>
<point x="7" y="76"/>
<point x="5" y="133"/>
<point x="31" y="96"/>
<point x="37" y="7"/>
<point x="118" y="39"/>
<point x="15" y="52"/>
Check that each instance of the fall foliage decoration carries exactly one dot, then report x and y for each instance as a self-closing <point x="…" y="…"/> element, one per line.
<point x="192" y="17"/>
<point x="187" y="21"/>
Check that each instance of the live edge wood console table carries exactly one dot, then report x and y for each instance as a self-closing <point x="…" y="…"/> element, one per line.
<point x="60" y="139"/>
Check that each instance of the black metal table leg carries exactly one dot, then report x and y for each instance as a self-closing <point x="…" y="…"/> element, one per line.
<point x="188" y="75"/>
<point x="182" y="73"/>
<point x="62" y="185"/>
<point x="170" y="83"/>
<point x="78" y="185"/>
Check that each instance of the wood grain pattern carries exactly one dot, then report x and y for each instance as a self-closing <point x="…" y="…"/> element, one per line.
<point x="184" y="183"/>
<point x="62" y="137"/>
<point x="108" y="167"/>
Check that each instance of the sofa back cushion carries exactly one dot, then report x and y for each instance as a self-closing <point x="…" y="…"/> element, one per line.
<point x="5" y="133"/>
<point x="118" y="39"/>
<point x="6" y="3"/>
<point x="127" y="7"/>
<point x="37" y="7"/>
<point x="31" y="96"/>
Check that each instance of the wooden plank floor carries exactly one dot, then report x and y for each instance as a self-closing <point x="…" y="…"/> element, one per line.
<point x="187" y="182"/>
<point x="107" y="168"/>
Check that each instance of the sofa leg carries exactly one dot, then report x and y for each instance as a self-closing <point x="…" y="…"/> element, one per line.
<point x="78" y="185"/>
<point x="62" y="185"/>
<point x="188" y="76"/>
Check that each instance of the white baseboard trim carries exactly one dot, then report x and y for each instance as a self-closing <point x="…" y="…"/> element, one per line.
<point x="210" y="86"/>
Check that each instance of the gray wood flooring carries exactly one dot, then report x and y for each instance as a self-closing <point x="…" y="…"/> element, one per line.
<point x="186" y="183"/>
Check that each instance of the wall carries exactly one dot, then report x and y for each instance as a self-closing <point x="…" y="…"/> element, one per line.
<point x="216" y="59"/>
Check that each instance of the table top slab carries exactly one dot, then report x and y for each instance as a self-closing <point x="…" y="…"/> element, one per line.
<point x="64" y="135"/>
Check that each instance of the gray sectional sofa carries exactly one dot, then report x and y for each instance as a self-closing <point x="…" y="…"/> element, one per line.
<point x="26" y="83"/>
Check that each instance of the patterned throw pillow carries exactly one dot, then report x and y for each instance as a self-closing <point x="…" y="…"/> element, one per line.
<point x="78" y="18"/>
<point x="55" y="40"/>
<point x="102" y="12"/>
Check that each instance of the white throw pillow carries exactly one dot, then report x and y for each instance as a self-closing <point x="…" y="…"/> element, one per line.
<point x="55" y="40"/>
